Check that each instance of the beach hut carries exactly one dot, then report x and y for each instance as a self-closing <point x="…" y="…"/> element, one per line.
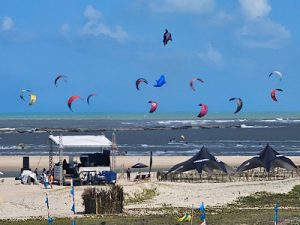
<point x="202" y="161"/>
<point x="269" y="159"/>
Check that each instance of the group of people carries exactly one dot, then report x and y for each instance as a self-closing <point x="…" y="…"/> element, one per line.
<point x="46" y="178"/>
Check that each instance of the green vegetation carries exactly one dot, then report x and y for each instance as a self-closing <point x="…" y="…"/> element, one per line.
<point x="140" y="197"/>
<point x="265" y="199"/>
<point x="256" y="209"/>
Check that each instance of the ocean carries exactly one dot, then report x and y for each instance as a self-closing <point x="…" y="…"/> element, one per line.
<point x="138" y="134"/>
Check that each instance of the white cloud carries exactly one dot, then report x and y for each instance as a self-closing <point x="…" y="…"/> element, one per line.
<point x="7" y="23"/>
<point x="95" y="27"/>
<point x="259" y="30"/>
<point x="255" y="9"/>
<point x="182" y="6"/>
<point x="211" y="55"/>
<point x="264" y="34"/>
<point x="91" y="13"/>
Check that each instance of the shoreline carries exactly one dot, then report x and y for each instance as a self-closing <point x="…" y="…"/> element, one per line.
<point x="15" y="163"/>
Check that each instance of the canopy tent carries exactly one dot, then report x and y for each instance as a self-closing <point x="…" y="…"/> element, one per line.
<point x="202" y="161"/>
<point x="76" y="141"/>
<point x="96" y="141"/>
<point x="139" y="165"/>
<point x="269" y="159"/>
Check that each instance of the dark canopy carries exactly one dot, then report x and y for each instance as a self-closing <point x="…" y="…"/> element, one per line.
<point x="139" y="165"/>
<point x="203" y="160"/>
<point x="269" y="159"/>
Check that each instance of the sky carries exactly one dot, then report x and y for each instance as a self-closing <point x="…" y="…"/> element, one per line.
<point x="103" y="46"/>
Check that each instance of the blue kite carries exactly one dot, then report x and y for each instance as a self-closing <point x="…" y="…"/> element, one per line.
<point x="161" y="81"/>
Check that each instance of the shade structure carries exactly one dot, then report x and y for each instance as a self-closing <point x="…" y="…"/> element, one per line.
<point x="202" y="161"/>
<point x="139" y="166"/>
<point x="92" y="141"/>
<point x="269" y="159"/>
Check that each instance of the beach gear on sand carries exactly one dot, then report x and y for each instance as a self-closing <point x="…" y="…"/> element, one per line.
<point x="185" y="218"/>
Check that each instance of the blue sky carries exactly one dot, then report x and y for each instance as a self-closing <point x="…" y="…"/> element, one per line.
<point x="104" y="46"/>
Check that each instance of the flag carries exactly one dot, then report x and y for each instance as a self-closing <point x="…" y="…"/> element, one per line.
<point x="185" y="217"/>
<point x="47" y="201"/>
<point x="202" y="210"/>
<point x="72" y="192"/>
<point x="50" y="220"/>
<point x="276" y="213"/>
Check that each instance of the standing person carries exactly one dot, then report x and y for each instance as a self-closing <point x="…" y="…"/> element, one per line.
<point x="51" y="179"/>
<point x="36" y="173"/>
<point x="128" y="174"/>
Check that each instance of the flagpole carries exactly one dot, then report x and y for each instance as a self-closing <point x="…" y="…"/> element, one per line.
<point x="192" y="214"/>
<point x="73" y="205"/>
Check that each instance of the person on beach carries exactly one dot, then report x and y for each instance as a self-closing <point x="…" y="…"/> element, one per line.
<point x="36" y="173"/>
<point x="128" y="174"/>
<point x="51" y="179"/>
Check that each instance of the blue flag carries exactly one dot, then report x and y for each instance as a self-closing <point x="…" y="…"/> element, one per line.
<point x="72" y="191"/>
<point x="73" y="208"/>
<point x="47" y="201"/>
<point x="202" y="210"/>
<point x="50" y="220"/>
<point x="276" y="213"/>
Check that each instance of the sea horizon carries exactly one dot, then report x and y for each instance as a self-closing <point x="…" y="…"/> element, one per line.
<point x="144" y="116"/>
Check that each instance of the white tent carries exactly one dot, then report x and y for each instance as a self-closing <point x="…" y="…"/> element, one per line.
<point x="76" y="141"/>
<point x="28" y="177"/>
<point x="92" y="141"/>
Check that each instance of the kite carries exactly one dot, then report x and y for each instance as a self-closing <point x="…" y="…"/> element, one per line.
<point x="32" y="99"/>
<point x="273" y="94"/>
<point x="138" y="81"/>
<point x="59" y="77"/>
<point x="203" y="111"/>
<point x="23" y="92"/>
<point x="161" y="81"/>
<point x="275" y="72"/>
<point x="88" y="98"/>
<point x="167" y="37"/>
<point x="239" y="103"/>
<point x="192" y="82"/>
<point x="153" y="106"/>
<point x="71" y="99"/>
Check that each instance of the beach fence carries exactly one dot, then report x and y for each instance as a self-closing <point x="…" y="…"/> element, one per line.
<point x="101" y="201"/>
<point x="250" y="175"/>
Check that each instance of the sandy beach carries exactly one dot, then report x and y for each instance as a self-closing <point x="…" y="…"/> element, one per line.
<point x="14" y="163"/>
<point x="19" y="201"/>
